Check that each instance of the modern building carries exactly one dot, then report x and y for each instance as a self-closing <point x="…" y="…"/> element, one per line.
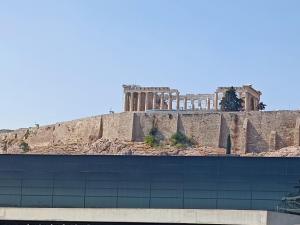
<point x="138" y="98"/>
<point x="127" y="189"/>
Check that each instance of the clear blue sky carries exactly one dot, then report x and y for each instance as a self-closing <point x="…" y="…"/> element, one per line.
<point x="61" y="60"/>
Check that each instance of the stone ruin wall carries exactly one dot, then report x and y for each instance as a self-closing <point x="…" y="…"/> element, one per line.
<point x="86" y="130"/>
<point x="250" y="131"/>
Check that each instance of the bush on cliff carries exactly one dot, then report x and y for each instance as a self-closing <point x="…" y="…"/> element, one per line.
<point x="151" y="139"/>
<point x="24" y="146"/>
<point x="180" y="140"/>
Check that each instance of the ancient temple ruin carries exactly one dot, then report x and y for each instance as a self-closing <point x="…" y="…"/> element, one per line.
<point x="138" y="98"/>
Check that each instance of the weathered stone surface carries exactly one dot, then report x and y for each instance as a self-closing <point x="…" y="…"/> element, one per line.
<point x="120" y="133"/>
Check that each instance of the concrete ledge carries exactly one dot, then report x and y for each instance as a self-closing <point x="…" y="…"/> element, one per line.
<point x="190" y="216"/>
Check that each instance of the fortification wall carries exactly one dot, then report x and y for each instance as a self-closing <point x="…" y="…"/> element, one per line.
<point x="166" y="124"/>
<point x="79" y="131"/>
<point x="204" y="128"/>
<point x="249" y="131"/>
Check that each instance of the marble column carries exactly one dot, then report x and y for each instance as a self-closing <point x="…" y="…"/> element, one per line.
<point x="177" y="101"/>
<point x="170" y="101"/>
<point x="131" y="101"/>
<point x="147" y="101"/>
<point x="154" y="101"/>
<point x="208" y="104"/>
<point x="216" y="103"/>
<point x="185" y="103"/>
<point x="139" y="101"/>
<point x="193" y="104"/>
<point x="162" y="98"/>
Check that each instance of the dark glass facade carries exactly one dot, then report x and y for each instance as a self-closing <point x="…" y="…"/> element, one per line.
<point x="146" y="182"/>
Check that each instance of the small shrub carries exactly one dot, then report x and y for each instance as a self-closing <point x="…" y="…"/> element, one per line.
<point x="180" y="145"/>
<point x="180" y="140"/>
<point x="150" y="140"/>
<point x="24" y="146"/>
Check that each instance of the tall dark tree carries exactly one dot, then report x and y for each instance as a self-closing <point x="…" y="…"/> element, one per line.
<point x="261" y="106"/>
<point x="230" y="102"/>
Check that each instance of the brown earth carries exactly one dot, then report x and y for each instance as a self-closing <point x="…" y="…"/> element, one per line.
<point x="117" y="147"/>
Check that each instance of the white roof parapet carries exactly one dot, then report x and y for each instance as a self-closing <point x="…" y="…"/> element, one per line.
<point x="150" y="89"/>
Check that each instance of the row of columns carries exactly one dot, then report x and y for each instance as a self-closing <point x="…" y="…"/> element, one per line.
<point x="192" y="100"/>
<point x="142" y="101"/>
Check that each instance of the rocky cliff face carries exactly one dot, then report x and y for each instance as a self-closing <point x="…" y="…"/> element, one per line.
<point x="90" y="136"/>
<point x="12" y="144"/>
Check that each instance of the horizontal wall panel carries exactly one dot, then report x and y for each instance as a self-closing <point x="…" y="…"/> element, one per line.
<point x="101" y="202"/>
<point x="143" y="182"/>
<point x="37" y="201"/>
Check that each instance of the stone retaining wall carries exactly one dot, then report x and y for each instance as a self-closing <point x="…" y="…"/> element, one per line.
<point x="249" y="131"/>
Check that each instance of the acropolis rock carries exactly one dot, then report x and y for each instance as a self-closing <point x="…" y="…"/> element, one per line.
<point x="252" y="132"/>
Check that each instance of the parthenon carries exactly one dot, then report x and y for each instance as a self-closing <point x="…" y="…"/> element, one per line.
<point x="138" y="98"/>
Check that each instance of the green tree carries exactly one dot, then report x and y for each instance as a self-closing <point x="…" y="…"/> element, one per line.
<point x="230" y="102"/>
<point x="261" y="106"/>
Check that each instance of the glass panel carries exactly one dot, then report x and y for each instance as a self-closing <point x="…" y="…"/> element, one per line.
<point x="124" y="202"/>
<point x="37" y="191"/>
<point x="200" y="203"/>
<point x="200" y="194"/>
<point x="10" y="182"/>
<point x="170" y="193"/>
<point x="10" y="200"/>
<point x="37" y="201"/>
<point x="233" y="204"/>
<point x="176" y="203"/>
<point x="69" y="191"/>
<point x="102" y="192"/>
<point x="101" y="184"/>
<point x="134" y="192"/>
<point x="69" y="202"/>
<point x="10" y="190"/>
<point x="37" y="183"/>
<point x="235" y="194"/>
<point x="101" y="202"/>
